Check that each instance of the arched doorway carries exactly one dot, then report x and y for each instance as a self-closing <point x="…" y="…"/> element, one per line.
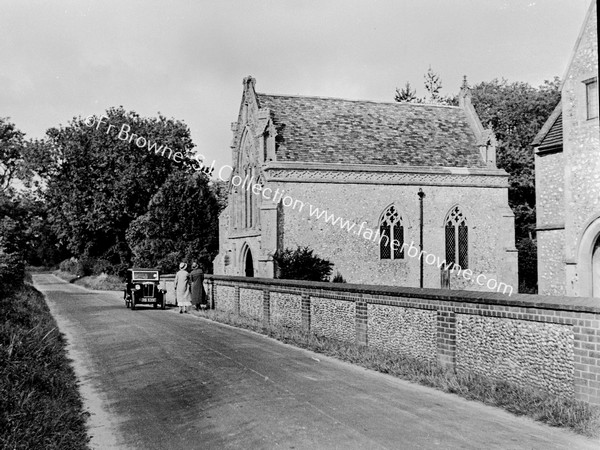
<point x="588" y="261"/>
<point x="249" y="264"/>
<point x="596" y="269"/>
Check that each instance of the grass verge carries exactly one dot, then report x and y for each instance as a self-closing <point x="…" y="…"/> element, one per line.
<point x="555" y="411"/>
<point x="40" y="405"/>
<point x="102" y="282"/>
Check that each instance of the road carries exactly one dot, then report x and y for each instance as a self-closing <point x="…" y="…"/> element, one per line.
<point x="157" y="379"/>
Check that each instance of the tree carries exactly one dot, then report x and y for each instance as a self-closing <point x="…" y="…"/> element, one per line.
<point x="20" y="159"/>
<point x="516" y="112"/>
<point x="99" y="182"/>
<point x="25" y="230"/>
<point x="11" y="154"/>
<point x="181" y="224"/>
<point x="221" y="190"/>
<point x="301" y="264"/>
<point x="433" y="85"/>
<point x="406" y="95"/>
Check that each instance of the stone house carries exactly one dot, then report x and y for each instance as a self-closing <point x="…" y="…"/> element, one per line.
<point x="567" y="178"/>
<point x="353" y="180"/>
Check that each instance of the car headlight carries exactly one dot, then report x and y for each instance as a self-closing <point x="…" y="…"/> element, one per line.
<point x="138" y="287"/>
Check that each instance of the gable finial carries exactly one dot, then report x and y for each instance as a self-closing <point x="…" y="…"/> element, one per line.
<point x="464" y="95"/>
<point x="249" y="80"/>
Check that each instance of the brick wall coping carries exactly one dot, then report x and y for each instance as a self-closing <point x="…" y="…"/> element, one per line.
<point x="578" y="304"/>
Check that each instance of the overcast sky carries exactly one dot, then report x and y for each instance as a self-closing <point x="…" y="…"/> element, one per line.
<point x="187" y="59"/>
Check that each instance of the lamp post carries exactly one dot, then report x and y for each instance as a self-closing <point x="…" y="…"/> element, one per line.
<point x="421" y="195"/>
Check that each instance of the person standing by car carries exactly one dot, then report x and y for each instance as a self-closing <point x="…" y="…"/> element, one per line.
<point x="197" y="282"/>
<point x="182" y="289"/>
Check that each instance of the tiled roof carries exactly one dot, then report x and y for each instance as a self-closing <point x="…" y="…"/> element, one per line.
<point x="551" y="135"/>
<point x="554" y="138"/>
<point x="327" y="130"/>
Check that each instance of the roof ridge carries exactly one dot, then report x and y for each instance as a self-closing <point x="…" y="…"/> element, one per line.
<point x="358" y="100"/>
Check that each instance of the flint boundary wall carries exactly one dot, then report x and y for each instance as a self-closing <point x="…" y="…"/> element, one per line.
<point x="550" y="343"/>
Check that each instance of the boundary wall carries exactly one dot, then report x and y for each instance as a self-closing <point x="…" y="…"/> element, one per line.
<point x="550" y="343"/>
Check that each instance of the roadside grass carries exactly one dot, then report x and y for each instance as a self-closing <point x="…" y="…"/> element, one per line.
<point x="40" y="405"/>
<point x="102" y="282"/>
<point x="555" y="411"/>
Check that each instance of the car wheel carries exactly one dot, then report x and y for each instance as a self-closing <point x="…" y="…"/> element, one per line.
<point x="132" y="302"/>
<point x="155" y="305"/>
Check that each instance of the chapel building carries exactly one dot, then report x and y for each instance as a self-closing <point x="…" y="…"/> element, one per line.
<point x="350" y="178"/>
<point x="567" y="178"/>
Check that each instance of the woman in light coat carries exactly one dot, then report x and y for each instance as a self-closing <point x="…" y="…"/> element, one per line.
<point x="183" y="295"/>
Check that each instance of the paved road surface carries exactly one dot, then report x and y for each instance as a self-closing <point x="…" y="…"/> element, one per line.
<point x="160" y="380"/>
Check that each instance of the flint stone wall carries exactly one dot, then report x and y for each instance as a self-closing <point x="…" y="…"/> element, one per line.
<point x="225" y="298"/>
<point x="544" y="342"/>
<point x="286" y="309"/>
<point x="252" y="306"/>
<point x="409" y="331"/>
<point x="516" y="350"/>
<point x="333" y="318"/>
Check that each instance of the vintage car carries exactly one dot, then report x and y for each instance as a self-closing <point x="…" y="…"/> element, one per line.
<point x="143" y="288"/>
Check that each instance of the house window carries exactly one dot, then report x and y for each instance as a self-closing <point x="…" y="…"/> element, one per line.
<point x="591" y="96"/>
<point x="457" y="239"/>
<point x="391" y="231"/>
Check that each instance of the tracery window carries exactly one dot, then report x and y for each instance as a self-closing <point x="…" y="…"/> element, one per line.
<point x="391" y="230"/>
<point x="457" y="238"/>
<point x="246" y="203"/>
<point x="248" y="200"/>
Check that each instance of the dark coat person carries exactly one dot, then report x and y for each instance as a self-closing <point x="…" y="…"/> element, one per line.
<point x="197" y="281"/>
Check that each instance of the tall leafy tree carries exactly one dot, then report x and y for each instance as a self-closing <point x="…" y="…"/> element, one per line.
<point x="102" y="180"/>
<point x="23" y="229"/>
<point x="181" y="224"/>
<point x="516" y="112"/>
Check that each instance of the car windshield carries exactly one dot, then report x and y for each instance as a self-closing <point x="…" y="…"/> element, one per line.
<point x="145" y="275"/>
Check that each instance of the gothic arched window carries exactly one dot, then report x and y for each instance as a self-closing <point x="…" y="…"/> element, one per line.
<point x="391" y="231"/>
<point x="248" y="200"/>
<point x="249" y="206"/>
<point x="457" y="238"/>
